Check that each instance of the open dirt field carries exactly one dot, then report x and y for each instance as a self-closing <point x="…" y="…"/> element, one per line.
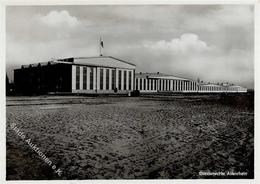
<point x="130" y="137"/>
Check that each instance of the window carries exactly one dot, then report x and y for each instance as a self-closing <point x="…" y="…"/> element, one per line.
<point x="77" y="77"/>
<point x="120" y="80"/>
<point x="136" y="83"/>
<point x="85" y="78"/>
<point x="107" y="79"/>
<point x="101" y="78"/>
<point x="141" y="84"/>
<point x="144" y="84"/>
<point x="129" y="80"/>
<point x="91" y="78"/>
<point x="163" y="84"/>
<point x="113" y="79"/>
<point x="124" y="80"/>
<point x="151" y="84"/>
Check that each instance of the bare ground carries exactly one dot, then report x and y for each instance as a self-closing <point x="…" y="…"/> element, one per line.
<point x="131" y="138"/>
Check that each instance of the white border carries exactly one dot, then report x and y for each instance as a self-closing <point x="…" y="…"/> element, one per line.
<point x="4" y="3"/>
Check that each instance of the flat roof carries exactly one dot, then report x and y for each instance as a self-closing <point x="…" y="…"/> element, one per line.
<point x="160" y="76"/>
<point x="103" y="61"/>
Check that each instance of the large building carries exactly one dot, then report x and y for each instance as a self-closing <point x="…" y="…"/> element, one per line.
<point x="104" y="75"/>
<point x="88" y="75"/>
<point x="157" y="82"/>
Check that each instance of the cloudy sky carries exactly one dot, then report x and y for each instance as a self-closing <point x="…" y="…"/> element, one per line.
<point x="213" y="42"/>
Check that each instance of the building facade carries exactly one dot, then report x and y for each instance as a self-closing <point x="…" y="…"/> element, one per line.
<point x="157" y="82"/>
<point x="102" y="75"/>
<point x="217" y="88"/>
<point x="81" y="75"/>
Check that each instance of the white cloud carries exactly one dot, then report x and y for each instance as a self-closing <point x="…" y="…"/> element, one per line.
<point x="187" y="42"/>
<point x="59" y="18"/>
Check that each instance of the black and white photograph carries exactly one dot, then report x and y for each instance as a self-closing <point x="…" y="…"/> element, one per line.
<point x="129" y="91"/>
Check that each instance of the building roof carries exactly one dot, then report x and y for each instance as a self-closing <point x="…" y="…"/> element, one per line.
<point x="104" y="61"/>
<point x="39" y="64"/>
<point x="160" y="76"/>
<point x="210" y="84"/>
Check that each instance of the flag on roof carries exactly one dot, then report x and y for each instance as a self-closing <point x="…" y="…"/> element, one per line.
<point x="101" y="43"/>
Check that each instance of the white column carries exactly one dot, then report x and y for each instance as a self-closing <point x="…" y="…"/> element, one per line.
<point x="127" y="80"/>
<point x="80" y="78"/>
<point x="73" y="77"/>
<point x="94" y="78"/>
<point x="122" y="79"/>
<point x="104" y="76"/>
<point x="110" y="79"/>
<point x="139" y="83"/>
<point x="98" y="78"/>
<point x="88" y="76"/>
<point x="117" y="78"/>
<point x="132" y="81"/>
<point x="142" y="83"/>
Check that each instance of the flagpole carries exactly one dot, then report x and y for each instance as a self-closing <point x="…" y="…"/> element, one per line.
<point x="100" y="54"/>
